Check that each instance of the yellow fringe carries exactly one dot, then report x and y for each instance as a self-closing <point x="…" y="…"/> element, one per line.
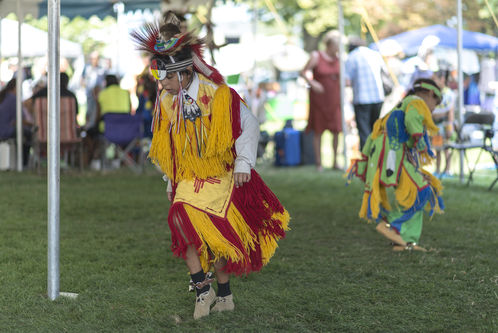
<point x="375" y="196"/>
<point x="435" y="182"/>
<point x="378" y="197"/>
<point x="282" y="217"/>
<point x="384" y="200"/>
<point x="212" y="238"/>
<point x="364" y="206"/>
<point x="269" y="244"/>
<point x="406" y="191"/>
<point x="220" y="138"/>
<point x="425" y="159"/>
<point x="379" y="126"/>
<point x="222" y="248"/>
<point x="241" y="228"/>
<point x="213" y="158"/>
<point x="424" y="111"/>
<point x="437" y="189"/>
<point x="160" y="150"/>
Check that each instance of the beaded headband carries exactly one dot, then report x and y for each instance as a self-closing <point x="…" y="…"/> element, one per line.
<point x="428" y="86"/>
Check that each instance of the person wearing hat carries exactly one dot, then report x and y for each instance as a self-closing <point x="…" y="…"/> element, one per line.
<point x="392" y="168"/>
<point x="205" y="139"/>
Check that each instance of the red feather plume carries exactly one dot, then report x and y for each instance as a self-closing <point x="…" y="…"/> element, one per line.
<point x="215" y="75"/>
<point x="145" y="37"/>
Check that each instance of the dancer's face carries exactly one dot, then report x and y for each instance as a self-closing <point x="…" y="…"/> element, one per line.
<point x="171" y="83"/>
<point x="431" y="99"/>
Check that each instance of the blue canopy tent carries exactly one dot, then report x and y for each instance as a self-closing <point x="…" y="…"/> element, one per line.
<point x="412" y="39"/>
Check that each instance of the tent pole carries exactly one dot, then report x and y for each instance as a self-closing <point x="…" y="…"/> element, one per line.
<point x="53" y="149"/>
<point x="342" y="79"/>
<point x="253" y="86"/>
<point x="460" y="81"/>
<point x="19" y="79"/>
<point x="0" y="51"/>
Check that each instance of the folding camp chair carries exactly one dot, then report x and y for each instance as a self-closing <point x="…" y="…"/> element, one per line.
<point x="70" y="140"/>
<point x="125" y="131"/>
<point x="479" y="123"/>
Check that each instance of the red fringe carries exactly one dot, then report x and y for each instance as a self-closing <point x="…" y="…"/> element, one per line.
<point x="248" y="200"/>
<point x="178" y="243"/>
<point x="216" y="77"/>
<point x="236" y="126"/>
<point x="227" y="231"/>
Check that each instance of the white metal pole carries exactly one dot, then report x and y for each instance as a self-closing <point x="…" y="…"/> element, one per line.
<point x="119" y="9"/>
<point x="342" y="79"/>
<point x="53" y="147"/>
<point x="460" y="80"/>
<point x="19" y="79"/>
<point x="253" y="86"/>
<point x="0" y="49"/>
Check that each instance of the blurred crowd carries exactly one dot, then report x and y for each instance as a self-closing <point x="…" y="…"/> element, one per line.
<point x="376" y="81"/>
<point x="96" y="93"/>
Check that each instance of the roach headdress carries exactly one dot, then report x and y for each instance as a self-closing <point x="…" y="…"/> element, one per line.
<point x="173" y="51"/>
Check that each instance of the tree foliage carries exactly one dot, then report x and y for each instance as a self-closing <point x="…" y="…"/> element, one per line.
<point x="388" y="17"/>
<point x="78" y="30"/>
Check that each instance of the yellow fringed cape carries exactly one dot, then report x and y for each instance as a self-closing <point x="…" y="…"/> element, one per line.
<point x="241" y="225"/>
<point x="184" y="150"/>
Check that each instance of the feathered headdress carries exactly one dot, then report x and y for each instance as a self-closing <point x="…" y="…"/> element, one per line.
<point x="171" y="50"/>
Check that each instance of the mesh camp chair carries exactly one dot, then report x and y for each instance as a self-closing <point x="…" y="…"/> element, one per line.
<point x="70" y="141"/>
<point x="482" y="124"/>
<point x="125" y="132"/>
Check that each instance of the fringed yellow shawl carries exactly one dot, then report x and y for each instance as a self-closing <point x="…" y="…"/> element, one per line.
<point x="184" y="149"/>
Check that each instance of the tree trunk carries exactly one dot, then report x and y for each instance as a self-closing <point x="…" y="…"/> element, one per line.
<point x="311" y="43"/>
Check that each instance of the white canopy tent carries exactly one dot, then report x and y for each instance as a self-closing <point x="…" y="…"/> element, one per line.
<point x="34" y="42"/>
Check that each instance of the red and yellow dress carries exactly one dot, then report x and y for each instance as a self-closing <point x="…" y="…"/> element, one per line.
<point x="241" y="225"/>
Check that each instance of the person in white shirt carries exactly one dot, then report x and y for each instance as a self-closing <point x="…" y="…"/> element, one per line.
<point x="363" y="70"/>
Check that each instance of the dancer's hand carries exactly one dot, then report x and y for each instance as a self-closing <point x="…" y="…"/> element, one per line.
<point x="170" y="196"/>
<point x="241" y="178"/>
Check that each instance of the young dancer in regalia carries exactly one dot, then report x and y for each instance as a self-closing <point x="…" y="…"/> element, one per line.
<point x="397" y="188"/>
<point x="222" y="215"/>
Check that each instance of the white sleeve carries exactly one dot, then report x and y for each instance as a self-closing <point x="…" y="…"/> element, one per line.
<point x="166" y="179"/>
<point x="246" y="144"/>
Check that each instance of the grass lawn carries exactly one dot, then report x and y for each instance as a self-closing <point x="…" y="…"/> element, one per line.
<point x="333" y="272"/>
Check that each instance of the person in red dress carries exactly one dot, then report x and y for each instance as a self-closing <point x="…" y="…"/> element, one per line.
<point x="322" y="73"/>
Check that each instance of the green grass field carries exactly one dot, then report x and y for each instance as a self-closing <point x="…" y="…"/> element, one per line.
<point x="332" y="273"/>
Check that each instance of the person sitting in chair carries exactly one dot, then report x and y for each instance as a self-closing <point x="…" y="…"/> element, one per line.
<point x="112" y="99"/>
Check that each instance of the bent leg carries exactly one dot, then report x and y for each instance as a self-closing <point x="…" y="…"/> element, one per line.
<point x="205" y="294"/>
<point x="192" y="260"/>
<point x="412" y="229"/>
<point x="224" y="301"/>
<point x="221" y="275"/>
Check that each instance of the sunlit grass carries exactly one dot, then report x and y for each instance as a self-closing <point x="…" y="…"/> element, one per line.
<point x="332" y="272"/>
